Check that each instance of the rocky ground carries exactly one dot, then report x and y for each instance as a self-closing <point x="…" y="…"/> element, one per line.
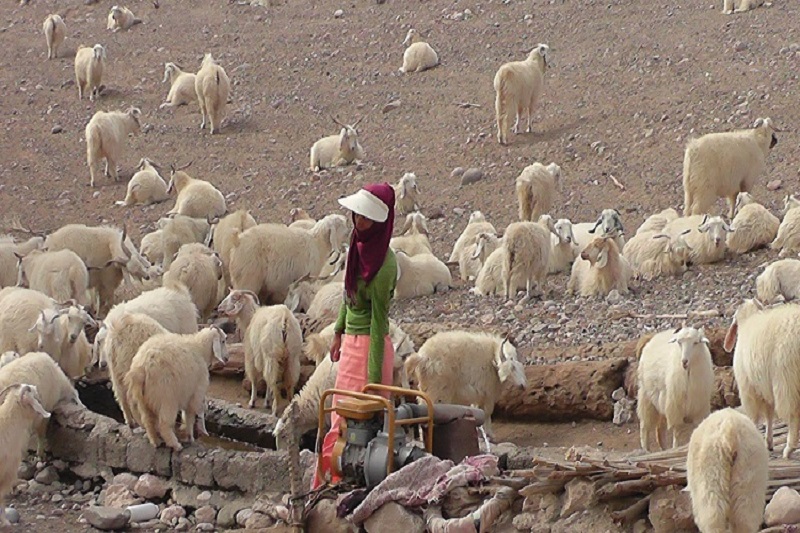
<point x="632" y="81"/>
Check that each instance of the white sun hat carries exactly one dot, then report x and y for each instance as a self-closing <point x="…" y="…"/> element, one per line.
<point x="366" y="204"/>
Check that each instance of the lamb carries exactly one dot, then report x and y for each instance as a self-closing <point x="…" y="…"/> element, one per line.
<point x="706" y="238"/>
<point x="169" y="373"/>
<point x="536" y="189"/>
<point x="466" y="368"/>
<point x="212" y="87"/>
<point x="61" y="275"/>
<point x="600" y="269"/>
<point x="656" y="223"/>
<point x="55" y="31"/>
<point x="181" y="90"/>
<point x="725" y="164"/>
<point x="610" y="224"/>
<point x="676" y="381"/>
<point x="563" y="250"/>
<point x="200" y="270"/>
<point x="419" y="55"/>
<point x="106" y="136"/>
<point x="122" y="336"/>
<point x="55" y="388"/>
<point x="788" y="238"/>
<point x="306" y="402"/>
<point x="765" y="365"/>
<point x="121" y="18"/>
<point x="727" y="470"/>
<point x="179" y="230"/>
<point x="146" y="186"/>
<point x="477" y="224"/>
<point x="420" y="275"/>
<point x="89" y="67"/>
<point x="413" y="238"/>
<point x="652" y="254"/>
<point x="780" y="281"/>
<point x="337" y="150"/>
<point x="475" y="255"/>
<point x="20" y="409"/>
<point x="272" y="346"/>
<point x="527" y="256"/>
<point x="743" y="6"/>
<point x="519" y="85"/>
<point x="406" y="192"/>
<point x="195" y="198"/>
<point x="301" y="219"/>
<point x="9" y="250"/>
<point x="221" y="236"/>
<point x="267" y="258"/>
<point x="753" y="226"/>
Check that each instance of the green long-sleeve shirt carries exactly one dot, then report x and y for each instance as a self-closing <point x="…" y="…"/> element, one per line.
<point x="370" y="314"/>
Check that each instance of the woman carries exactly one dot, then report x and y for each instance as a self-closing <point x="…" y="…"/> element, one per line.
<point x="361" y="343"/>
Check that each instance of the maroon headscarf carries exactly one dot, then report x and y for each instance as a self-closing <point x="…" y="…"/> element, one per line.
<point x="368" y="248"/>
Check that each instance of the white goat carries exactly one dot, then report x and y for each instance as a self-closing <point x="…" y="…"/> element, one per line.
<point x="337" y="150"/>
<point x="537" y="186"/>
<point x="406" y="192"/>
<point x="610" y="224"/>
<point x="9" y="250"/>
<point x="121" y="18"/>
<point x="519" y="85"/>
<point x="473" y="257"/>
<point x="173" y="370"/>
<point x="413" y="238"/>
<point x="599" y="270"/>
<point x="106" y="137"/>
<point x="788" y="238"/>
<point x="675" y="384"/>
<point x="563" y="250"/>
<point x="765" y="365"/>
<point x="656" y="223"/>
<point x="212" y="87"/>
<point x="61" y="275"/>
<point x="420" y="275"/>
<point x="221" y="236"/>
<point x="55" y="31"/>
<point x="780" y="281"/>
<point x="725" y="164"/>
<point x="706" y="238"/>
<point x="477" y="224"/>
<point x="200" y="270"/>
<point x="526" y="247"/>
<point x="179" y="230"/>
<point x="146" y="186"/>
<point x="466" y="368"/>
<point x="89" y="67"/>
<point x="743" y="6"/>
<point x="652" y="254"/>
<point x="195" y="198"/>
<point x="181" y="90"/>
<point x="170" y="306"/>
<point x="419" y="55"/>
<point x="753" y="226"/>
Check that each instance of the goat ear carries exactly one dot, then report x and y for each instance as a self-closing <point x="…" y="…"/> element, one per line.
<point x="602" y="258"/>
<point x="29" y="398"/>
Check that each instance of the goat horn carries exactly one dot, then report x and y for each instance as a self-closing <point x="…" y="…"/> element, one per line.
<point x="187" y="165"/>
<point x="251" y="293"/>
<point x="337" y="122"/>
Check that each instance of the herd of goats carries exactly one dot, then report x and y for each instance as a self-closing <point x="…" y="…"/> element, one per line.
<point x="282" y="286"/>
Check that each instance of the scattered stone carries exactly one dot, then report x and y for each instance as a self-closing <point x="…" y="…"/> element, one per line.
<point x="107" y="518"/>
<point x="57" y="498"/>
<point x="56" y="129"/>
<point x="394" y="518"/>
<point x="580" y="495"/>
<point x="774" y="185"/>
<point x="119" y="496"/>
<point x="740" y="46"/>
<point x="205" y="515"/>
<point x="204" y="496"/>
<point x="671" y="510"/>
<point x="48" y="476"/>
<point x="243" y="516"/>
<point x="434" y="213"/>
<point x="391" y="106"/>
<point x="783" y="508"/>
<point x="12" y="515"/>
<point x="171" y="514"/>
<point x="151" y="487"/>
<point x="471" y="175"/>
<point x="126" y="479"/>
<point x="204" y="527"/>
<point x="258" y="520"/>
<point x="614" y="297"/>
<point x="457" y="172"/>
<point x="26" y="471"/>
<point x="227" y="514"/>
<point x="338" y="14"/>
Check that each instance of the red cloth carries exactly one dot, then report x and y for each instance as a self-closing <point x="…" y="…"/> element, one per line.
<point x="351" y="375"/>
<point x="368" y="248"/>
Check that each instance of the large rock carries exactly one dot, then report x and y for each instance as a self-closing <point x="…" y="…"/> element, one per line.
<point x="151" y="487"/>
<point x="127" y="479"/>
<point x="227" y="514"/>
<point x="671" y="511"/>
<point x="119" y="496"/>
<point x="205" y="515"/>
<point x="783" y="508"/>
<point x="394" y="518"/>
<point x="47" y="476"/>
<point x="172" y="514"/>
<point x="565" y="391"/>
<point x="322" y="519"/>
<point x="258" y="521"/>
<point x="580" y="495"/>
<point x="107" y="518"/>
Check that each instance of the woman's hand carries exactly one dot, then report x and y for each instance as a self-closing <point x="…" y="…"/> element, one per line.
<point x="336" y="347"/>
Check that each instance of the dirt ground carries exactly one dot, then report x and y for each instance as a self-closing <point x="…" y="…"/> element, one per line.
<point x="631" y="82"/>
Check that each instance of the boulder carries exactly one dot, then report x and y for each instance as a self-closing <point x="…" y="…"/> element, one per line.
<point x="394" y="518"/>
<point x="119" y="496"/>
<point x="259" y="520"/>
<point x="151" y="487"/>
<point x="565" y="391"/>
<point x="671" y="511"/>
<point x="172" y="514"/>
<point x="227" y="514"/>
<point x="783" y="508"/>
<point x="580" y="495"/>
<point x="205" y="515"/>
<point x="471" y="175"/>
<point x="107" y="518"/>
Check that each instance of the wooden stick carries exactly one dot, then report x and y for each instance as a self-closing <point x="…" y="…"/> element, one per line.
<point x="632" y="513"/>
<point x="616" y="182"/>
<point x="466" y="105"/>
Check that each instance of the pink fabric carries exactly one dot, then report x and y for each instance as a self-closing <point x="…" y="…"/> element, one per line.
<point x="368" y="248"/>
<point x="352" y="375"/>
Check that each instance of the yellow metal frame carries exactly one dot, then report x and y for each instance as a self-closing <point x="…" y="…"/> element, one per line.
<point x="388" y="405"/>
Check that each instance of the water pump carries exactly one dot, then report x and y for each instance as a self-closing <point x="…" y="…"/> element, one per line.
<point x="373" y="441"/>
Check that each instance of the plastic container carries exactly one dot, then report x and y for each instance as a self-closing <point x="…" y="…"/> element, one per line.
<point x="143" y="512"/>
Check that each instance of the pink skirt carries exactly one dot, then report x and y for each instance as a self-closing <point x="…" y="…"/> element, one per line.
<point x="352" y="375"/>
